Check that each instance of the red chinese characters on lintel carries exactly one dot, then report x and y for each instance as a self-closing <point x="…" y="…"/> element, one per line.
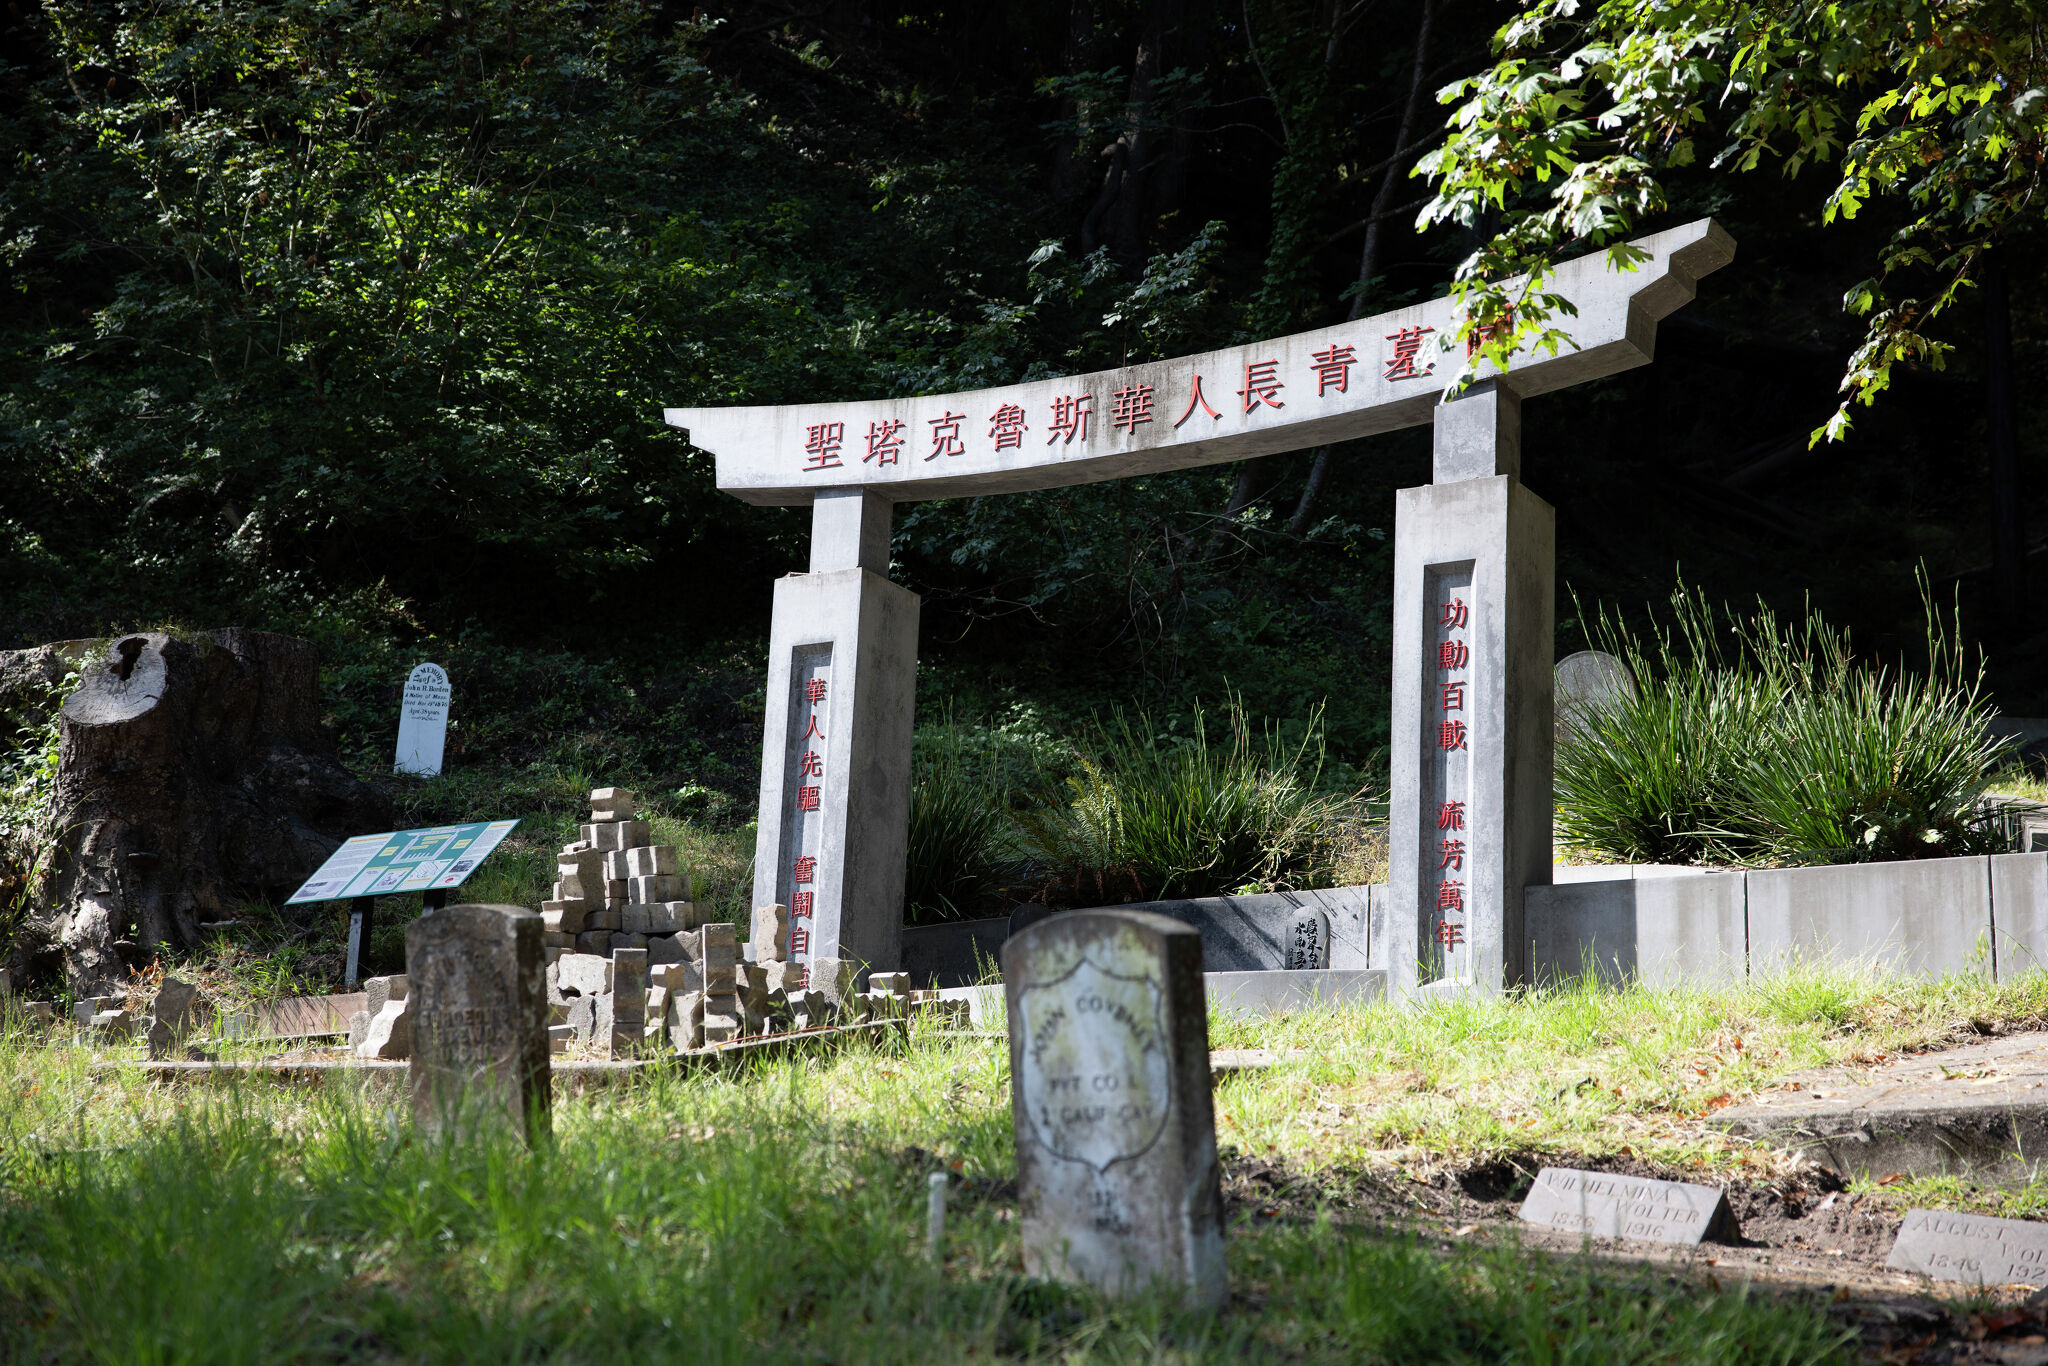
<point x="1453" y="658"/>
<point x="1069" y="418"/>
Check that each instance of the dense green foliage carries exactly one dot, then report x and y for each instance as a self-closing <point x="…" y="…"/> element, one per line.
<point x="356" y="321"/>
<point x="958" y="826"/>
<point x="1570" y="136"/>
<point x="1156" y="815"/>
<point x="1747" y="740"/>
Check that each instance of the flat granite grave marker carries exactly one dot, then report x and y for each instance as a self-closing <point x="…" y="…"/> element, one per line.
<point x="1972" y="1248"/>
<point x="423" y="721"/>
<point x="1603" y="1205"/>
<point x="478" y="990"/>
<point x="1109" y="1091"/>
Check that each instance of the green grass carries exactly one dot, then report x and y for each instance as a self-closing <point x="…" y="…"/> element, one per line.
<point x="1155" y="815"/>
<point x="1579" y="1069"/>
<point x="774" y="1217"/>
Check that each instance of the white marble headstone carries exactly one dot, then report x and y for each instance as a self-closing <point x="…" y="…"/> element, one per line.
<point x="423" y="721"/>
<point x="1109" y="1079"/>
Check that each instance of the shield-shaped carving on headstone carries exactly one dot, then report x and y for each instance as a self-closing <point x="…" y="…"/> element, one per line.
<point x="1096" y="1061"/>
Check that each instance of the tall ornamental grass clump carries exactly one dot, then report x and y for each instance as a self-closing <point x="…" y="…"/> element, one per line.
<point x="1756" y="741"/>
<point x="1155" y="816"/>
<point x="958" y="849"/>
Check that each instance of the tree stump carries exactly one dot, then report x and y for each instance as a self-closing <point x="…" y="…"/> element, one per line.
<point x="192" y="771"/>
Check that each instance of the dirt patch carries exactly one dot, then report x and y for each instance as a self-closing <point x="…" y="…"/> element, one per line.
<point x="1805" y="1236"/>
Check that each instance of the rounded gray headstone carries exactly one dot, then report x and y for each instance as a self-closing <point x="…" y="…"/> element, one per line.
<point x="477" y="979"/>
<point x="1025" y="916"/>
<point x="1590" y="680"/>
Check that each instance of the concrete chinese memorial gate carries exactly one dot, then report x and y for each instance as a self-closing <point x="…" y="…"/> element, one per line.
<point x="1473" y="593"/>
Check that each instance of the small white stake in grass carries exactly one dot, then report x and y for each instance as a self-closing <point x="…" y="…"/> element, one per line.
<point x="935" y="1215"/>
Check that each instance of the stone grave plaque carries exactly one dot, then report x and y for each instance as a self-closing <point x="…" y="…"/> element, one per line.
<point x="1109" y="1089"/>
<point x="1308" y="940"/>
<point x="478" y="990"/>
<point x="1603" y="1205"/>
<point x="423" y="721"/>
<point x="1973" y="1248"/>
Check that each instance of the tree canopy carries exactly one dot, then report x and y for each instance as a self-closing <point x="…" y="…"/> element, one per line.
<point x="1570" y="137"/>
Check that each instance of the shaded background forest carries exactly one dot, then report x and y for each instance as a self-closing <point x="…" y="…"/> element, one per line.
<point x="356" y="321"/>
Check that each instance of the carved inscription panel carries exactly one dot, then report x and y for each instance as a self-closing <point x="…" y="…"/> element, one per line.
<point x="1097" y="1087"/>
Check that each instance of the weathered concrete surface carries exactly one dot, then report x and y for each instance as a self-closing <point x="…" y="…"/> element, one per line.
<point x="952" y="954"/>
<point x="1923" y="918"/>
<point x="1277" y="993"/>
<point x="763" y="457"/>
<point x="1662" y="931"/>
<point x="2019" y="912"/>
<point x="1239" y="934"/>
<point x="1488" y="544"/>
<point x="857" y="632"/>
<point x="1979" y="1110"/>
<point x="1253" y="933"/>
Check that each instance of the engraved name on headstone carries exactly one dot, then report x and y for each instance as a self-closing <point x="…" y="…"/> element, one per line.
<point x="1308" y="940"/>
<point x="1972" y="1248"/>
<point x="478" y="991"/>
<point x="1109" y="1087"/>
<point x="423" y="721"/>
<point x="1603" y="1205"/>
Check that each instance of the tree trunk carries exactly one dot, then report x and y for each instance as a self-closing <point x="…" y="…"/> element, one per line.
<point x="2008" y="524"/>
<point x="1145" y="168"/>
<point x="1369" y="254"/>
<point x="1071" y="163"/>
<point x="191" y="772"/>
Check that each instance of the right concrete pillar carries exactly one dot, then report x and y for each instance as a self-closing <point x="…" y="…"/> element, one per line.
<point x="1470" y="821"/>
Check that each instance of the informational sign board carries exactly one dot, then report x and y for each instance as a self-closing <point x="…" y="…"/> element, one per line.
<point x="423" y="722"/>
<point x="403" y="861"/>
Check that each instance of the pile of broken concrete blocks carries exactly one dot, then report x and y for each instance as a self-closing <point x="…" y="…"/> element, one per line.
<point x="631" y="971"/>
<point x="701" y="992"/>
<point x="384" y="1028"/>
<point x="175" y="1014"/>
<point x="614" y="889"/>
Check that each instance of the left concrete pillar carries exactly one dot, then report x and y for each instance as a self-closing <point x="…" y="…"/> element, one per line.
<point x="835" y="750"/>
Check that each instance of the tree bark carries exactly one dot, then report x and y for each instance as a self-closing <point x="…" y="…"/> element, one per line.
<point x="1369" y="253"/>
<point x="191" y="772"/>
<point x="1145" y="167"/>
<point x="2008" y="522"/>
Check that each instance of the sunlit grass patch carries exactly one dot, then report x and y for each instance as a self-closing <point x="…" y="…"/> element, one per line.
<point x="1579" y="1067"/>
<point x="770" y="1216"/>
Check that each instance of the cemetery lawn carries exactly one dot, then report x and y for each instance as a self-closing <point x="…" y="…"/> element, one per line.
<point x="777" y="1215"/>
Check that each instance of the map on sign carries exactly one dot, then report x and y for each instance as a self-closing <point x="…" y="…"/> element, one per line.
<point x="404" y="861"/>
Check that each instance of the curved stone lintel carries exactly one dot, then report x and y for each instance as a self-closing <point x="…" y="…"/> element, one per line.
<point x="784" y="455"/>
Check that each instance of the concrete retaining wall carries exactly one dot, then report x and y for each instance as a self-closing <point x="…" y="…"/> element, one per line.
<point x="1660" y="925"/>
<point x="1986" y="916"/>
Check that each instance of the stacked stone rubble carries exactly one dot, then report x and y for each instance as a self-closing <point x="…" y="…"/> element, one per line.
<point x="614" y="888"/>
<point x="657" y="978"/>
